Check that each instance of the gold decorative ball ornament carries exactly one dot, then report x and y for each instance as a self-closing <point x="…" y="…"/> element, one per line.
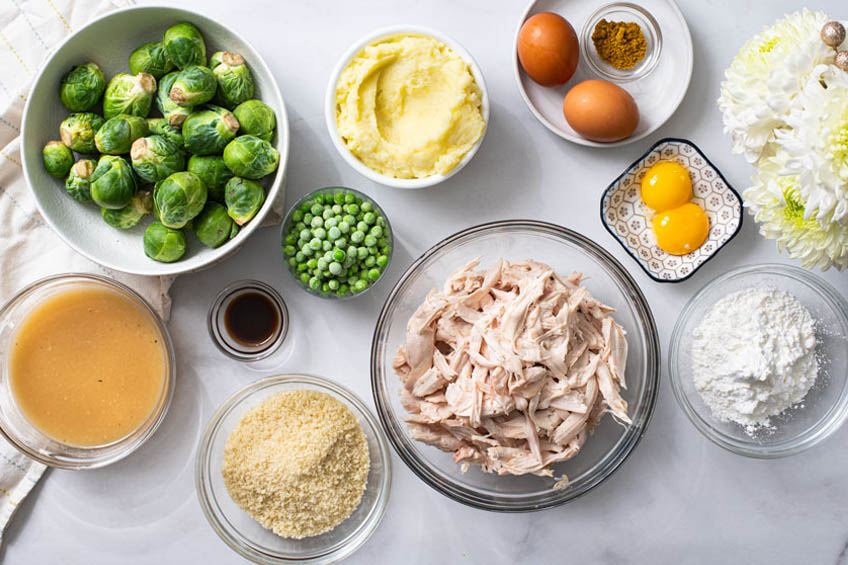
<point x="842" y="60"/>
<point x="833" y="34"/>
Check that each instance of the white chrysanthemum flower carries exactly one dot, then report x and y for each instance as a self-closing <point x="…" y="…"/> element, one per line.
<point x="765" y="76"/>
<point x="817" y="144"/>
<point x="776" y="204"/>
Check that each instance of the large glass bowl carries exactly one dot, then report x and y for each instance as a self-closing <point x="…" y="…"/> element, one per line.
<point x="241" y="532"/>
<point x="565" y="251"/>
<point x="826" y="405"/>
<point x="18" y="430"/>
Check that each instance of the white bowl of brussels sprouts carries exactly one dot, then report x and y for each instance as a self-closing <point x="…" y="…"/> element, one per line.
<point x="162" y="157"/>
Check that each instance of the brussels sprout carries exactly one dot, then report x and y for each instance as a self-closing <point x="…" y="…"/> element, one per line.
<point x="213" y="226"/>
<point x="128" y="94"/>
<point x="160" y="126"/>
<point x="184" y="45"/>
<point x="152" y="59"/>
<point x="78" y="183"/>
<point x="82" y="87"/>
<point x="213" y="172"/>
<point x="130" y="215"/>
<point x="58" y="159"/>
<point x="235" y="83"/>
<point x="156" y="158"/>
<point x="113" y="182"/>
<point x="244" y="198"/>
<point x="256" y="118"/>
<point x="118" y="134"/>
<point x="250" y="157"/>
<point x="216" y="59"/>
<point x="78" y="131"/>
<point x="209" y="131"/>
<point x="193" y="86"/>
<point x="164" y="244"/>
<point x="179" y="198"/>
<point x="173" y="112"/>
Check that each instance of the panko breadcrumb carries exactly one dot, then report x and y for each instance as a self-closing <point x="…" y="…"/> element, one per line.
<point x="297" y="463"/>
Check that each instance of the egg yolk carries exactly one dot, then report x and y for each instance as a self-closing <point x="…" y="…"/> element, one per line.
<point x="681" y="230"/>
<point x="666" y="185"/>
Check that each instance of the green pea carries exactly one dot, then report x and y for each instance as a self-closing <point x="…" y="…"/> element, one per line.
<point x="300" y="257"/>
<point x="362" y="226"/>
<point x="335" y="268"/>
<point x="369" y="217"/>
<point x="304" y="207"/>
<point x="292" y="262"/>
<point x="326" y="245"/>
<point x="327" y="214"/>
<point x="319" y="198"/>
<point x="382" y="260"/>
<point x="297" y="216"/>
<point x="370" y="261"/>
<point x="343" y="289"/>
<point x="350" y="198"/>
<point x="317" y="222"/>
<point x="357" y="236"/>
<point x="372" y="251"/>
<point x="374" y="274"/>
<point x="344" y="227"/>
<point x="337" y="209"/>
<point x="305" y="278"/>
<point x="339" y="198"/>
<point x="367" y="206"/>
<point x="289" y="250"/>
<point x="339" y="255"/>
<point x="330" y="222"/>
<point x="301" y="267"/>
<point x="376" y="231"/>
<point x="334" y="233"/>
<point x="385" y="249"/>
<point x="300" y="226"/>
<point x="314" y="283"/>
<point x="320" y="233"/>
<point x="325" y="288"/>
<point x="316" y="208"/>
<point x="341" y="242"/>
<point x="352" y="209"/>
<point x="312" y="263"/>
<point x="370" y="241"/>
<point x="360" y="285"/>
<point x="307" y="218"/>
<point x="322" y="264"/>
<point x="305" y="234"/>
<point x="350" y="220"/>
<point x="362" y="252"/>
<point x="306" y="250"/>
<point x="315" y="243"/>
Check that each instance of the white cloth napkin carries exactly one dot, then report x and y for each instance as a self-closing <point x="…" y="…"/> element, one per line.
<point x="29" y="250"/>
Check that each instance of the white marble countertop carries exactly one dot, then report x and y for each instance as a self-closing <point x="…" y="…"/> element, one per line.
<point x="678" y="498"/>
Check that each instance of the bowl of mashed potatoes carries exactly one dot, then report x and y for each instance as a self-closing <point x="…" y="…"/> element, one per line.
<point x="407" y="107"/>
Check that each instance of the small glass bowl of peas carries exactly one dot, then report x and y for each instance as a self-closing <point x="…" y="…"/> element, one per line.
<point x="336" y="242"/>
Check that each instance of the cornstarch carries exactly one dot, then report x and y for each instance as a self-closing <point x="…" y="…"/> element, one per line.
<point x="753" y="356"/>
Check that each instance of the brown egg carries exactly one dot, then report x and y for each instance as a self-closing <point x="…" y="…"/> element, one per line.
<point x="601" y="111"/>
<point x="548" y="49"/>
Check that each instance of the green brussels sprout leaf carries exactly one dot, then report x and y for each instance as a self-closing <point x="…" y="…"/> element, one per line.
<point x="78" y="183"/>
<point x="213" y="172"/>
<point x="151" y="58"/>
<point x="160" y="126"/>
<point x="244" y="198"/>
<point x="128" y="94"/>
<point x="184" y="45"/>
<point x="156" y="158"/>
<point x="79" y="130"/>
<point x="193" y="86"/>
<point x="173" y="112"/>
<point x="235" y="83"/>
<point x="257" y="119"/>
<point x="179" y="198"/>
<point x="213" y="226"/>
<point x="113" y="182"/>
<point x="118" y="134"/>
<point x="164" y="244"/>
<point x="130" y="215"/>
<point x="250" y="157"/>
<point x="207" y="132"/>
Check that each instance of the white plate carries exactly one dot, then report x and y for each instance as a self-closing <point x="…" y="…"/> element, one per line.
<point x="108" y="41"/>
<point x="657" y="94"/>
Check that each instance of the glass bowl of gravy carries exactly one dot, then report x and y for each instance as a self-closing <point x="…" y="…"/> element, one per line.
<point x="87" y="373"/>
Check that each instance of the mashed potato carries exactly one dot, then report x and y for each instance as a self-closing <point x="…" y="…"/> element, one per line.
<point x="408" y="107"/>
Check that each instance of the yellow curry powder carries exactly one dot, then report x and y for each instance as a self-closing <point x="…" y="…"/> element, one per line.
<point x="620" y="44"/>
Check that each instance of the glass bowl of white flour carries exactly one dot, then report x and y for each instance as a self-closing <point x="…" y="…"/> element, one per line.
<point x="758" y="360"/>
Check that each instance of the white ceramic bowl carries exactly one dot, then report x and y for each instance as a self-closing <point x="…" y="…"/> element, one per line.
<point x="330" y="106"/>
<point x="108" y="41"/>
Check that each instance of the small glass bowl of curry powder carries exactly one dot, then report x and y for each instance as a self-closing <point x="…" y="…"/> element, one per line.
<point x="621" y="42"/>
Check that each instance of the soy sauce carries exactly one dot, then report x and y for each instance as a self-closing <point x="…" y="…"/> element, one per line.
<point x="251" y="319"/>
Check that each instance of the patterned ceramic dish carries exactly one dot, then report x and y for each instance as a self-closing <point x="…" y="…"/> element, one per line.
<point x="628" y="219"/>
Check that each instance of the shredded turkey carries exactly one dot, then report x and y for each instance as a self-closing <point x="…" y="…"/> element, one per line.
<point x="511" y="368"/>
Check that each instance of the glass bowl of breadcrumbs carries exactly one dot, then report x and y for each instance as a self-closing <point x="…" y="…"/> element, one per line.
<point x="293" y="469"/>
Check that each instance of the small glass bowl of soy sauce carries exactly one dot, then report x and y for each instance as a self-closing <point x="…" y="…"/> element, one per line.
<point x="248" y="320"/>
